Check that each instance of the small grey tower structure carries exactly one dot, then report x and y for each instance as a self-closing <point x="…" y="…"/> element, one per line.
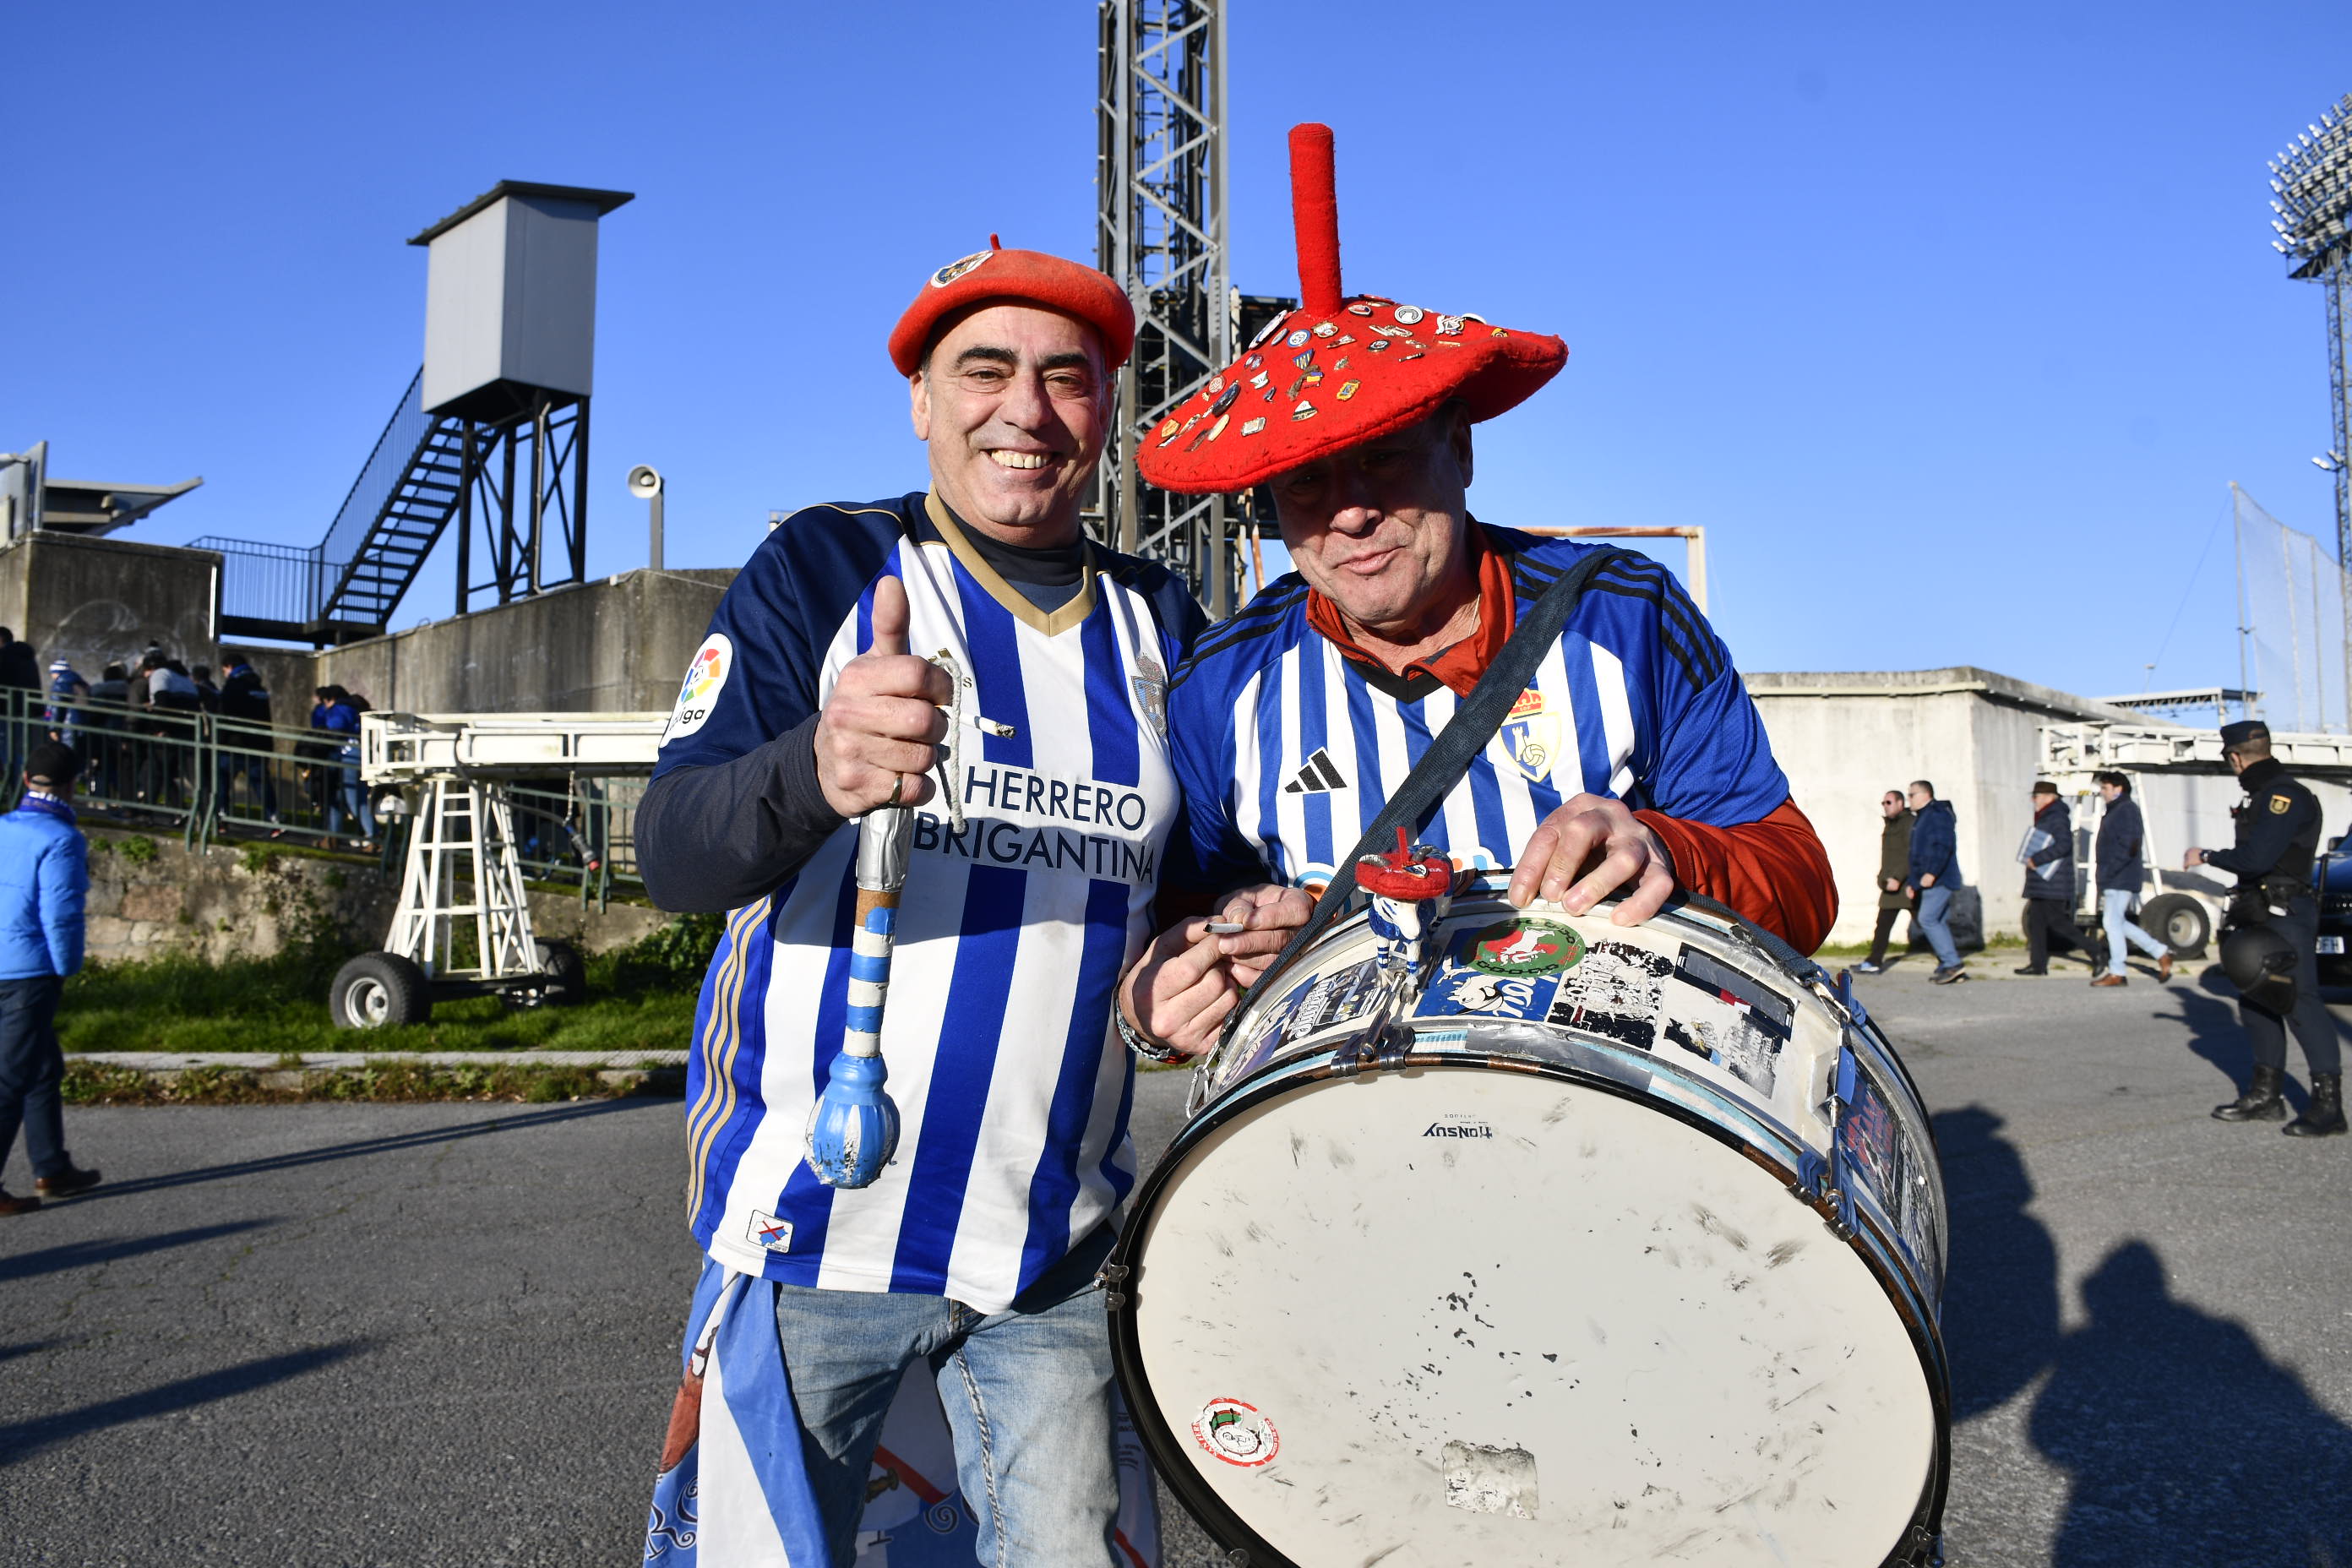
<point x="491" y="433"/>
<point x="509" y="351"/>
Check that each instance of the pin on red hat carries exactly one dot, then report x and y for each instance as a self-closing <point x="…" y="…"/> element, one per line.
<point x="1338" y="371"/>
<point x="1016" y="277"/>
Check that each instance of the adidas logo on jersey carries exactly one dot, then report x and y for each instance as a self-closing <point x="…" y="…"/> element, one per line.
<point x="1320" y="776"/>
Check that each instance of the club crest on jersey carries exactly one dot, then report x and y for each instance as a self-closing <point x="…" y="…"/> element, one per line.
<point x="698" y="694"/>
<point x="1530" y="734"/>
<point x="1151" y="683"/>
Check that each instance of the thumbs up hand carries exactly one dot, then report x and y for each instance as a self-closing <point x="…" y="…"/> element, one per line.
<point x="878" y="733"/>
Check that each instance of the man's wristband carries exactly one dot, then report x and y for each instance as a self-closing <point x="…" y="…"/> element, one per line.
<point x="1143" y="1045"/>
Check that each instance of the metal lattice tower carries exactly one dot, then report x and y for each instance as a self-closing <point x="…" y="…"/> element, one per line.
<point x="2311" y="188"/>
<point x="1160" y="193"/>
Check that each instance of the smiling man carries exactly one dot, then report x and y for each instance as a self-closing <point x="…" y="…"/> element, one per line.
<point x="1635" y="760"/>
<point x="974" y="1252"/>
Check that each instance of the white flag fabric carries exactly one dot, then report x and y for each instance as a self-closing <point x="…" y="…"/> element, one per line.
<point x="733" y="1493"/>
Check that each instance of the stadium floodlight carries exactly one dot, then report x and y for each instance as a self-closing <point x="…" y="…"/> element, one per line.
<point x="2311" y="184"/>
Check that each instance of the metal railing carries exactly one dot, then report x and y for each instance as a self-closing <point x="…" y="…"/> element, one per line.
<point x="208" y="778"/>
<point x="288" y="584"/>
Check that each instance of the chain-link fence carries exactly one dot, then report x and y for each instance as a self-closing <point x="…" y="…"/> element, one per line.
<point x="2291" y="624"/>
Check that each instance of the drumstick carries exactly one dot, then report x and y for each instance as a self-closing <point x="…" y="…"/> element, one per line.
<point x="853" y="1129"/>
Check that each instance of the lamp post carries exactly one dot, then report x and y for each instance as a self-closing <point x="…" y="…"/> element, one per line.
<point x="646" y="485"/>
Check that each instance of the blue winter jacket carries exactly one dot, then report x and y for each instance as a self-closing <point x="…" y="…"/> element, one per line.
<point x="43" y="878"/>
<point x="1934" y="845"/>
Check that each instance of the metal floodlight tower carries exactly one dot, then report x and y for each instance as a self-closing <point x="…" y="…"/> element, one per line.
<point x="2310" y="192"/>
<point x="1161" y="191"/>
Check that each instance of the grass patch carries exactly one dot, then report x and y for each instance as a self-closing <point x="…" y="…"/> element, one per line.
<point x="640" y="997"/>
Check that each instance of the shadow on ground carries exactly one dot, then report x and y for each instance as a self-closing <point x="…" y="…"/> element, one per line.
<point x="2181" y="1441"/>
<point x="20" y="1440"/>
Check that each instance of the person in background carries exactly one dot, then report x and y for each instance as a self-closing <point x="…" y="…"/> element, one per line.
<point x="1935" y="877"/>
<point x="1893" y="865"/>
<point x="345" y="798"/>
<point x="2278" y="833"/>
<point x="110" y="719"/>
<point x="207" y="694"/>
<point x="20" y="677"/>
<point x="2048" y="855"/>
<point x="64" y="716"/>
<point x="245" y="742"/>
<point x="172" y="704"/>
<point x="44" y="881"/>
<point x="2120" y="869"/>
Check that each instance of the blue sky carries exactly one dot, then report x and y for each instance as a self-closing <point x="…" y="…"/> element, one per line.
<point x="1951" y="326"/>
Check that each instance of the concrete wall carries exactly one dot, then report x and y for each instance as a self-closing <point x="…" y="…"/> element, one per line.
<point x="618" y="644"/>
<point x="95" y="601"/>
<point x="1846" y="738"/>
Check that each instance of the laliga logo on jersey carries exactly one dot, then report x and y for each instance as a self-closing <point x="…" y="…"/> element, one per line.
<point x="1531" y="734"/>
<point x="698" y="693"/>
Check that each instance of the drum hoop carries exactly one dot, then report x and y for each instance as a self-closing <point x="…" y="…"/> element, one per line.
<point x="1920" y="1542"/>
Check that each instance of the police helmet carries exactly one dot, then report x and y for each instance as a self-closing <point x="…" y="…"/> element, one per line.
<point x="2261" y="964"/>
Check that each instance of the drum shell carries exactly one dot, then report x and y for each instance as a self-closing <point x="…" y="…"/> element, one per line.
<point x="1862" y="1162"/>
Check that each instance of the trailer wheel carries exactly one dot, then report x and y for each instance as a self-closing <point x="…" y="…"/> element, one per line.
<point x="2180" y="923"/>
<point x="566" y="971"/>
<point x="379" y="991"/>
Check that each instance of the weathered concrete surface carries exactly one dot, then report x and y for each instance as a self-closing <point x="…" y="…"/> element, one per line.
<point x="151" y="898"/>
<point x="617" y="645"/>
<point x="410" y="1334"/>
<point x="95" y="601"/>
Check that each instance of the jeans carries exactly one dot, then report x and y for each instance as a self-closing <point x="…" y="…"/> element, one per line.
<point x="1027" y="1392"/>
<point x="1934" y="904"/>
<point x="350" y="800"/>
<point x="32" y="1071"/>
<point x="2114" y="914"/>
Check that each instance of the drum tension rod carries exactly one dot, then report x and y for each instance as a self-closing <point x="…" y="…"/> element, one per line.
<point x="1110" y="1277"/>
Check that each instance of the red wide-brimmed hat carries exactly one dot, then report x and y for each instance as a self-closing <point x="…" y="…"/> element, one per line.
<point x="1338" y="371"/>
<point x="1023" y="277"/>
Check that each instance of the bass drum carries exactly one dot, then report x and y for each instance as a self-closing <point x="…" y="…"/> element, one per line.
<point x="1612" y="1245"/>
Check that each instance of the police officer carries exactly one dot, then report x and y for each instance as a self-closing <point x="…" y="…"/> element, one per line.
<point x="2271" y="935"/>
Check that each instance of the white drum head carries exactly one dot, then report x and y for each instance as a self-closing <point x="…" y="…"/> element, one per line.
<point x="1476" y="1317"/>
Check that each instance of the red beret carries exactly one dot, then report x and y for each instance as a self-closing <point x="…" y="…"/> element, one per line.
<point x="1338" y="371"/>
<point x="1016" y="276"/>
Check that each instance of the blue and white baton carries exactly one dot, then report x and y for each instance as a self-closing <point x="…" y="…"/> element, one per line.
<point x="853" y="1129"/>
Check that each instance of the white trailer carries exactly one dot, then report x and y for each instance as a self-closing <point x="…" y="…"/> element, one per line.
<point x="2185" y="791"/>
<point x="463" y="926"/>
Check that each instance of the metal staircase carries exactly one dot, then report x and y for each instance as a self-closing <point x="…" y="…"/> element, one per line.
<point x="347" y="586"/>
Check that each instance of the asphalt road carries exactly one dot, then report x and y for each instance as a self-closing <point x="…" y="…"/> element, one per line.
<point x="446" y="1334"/>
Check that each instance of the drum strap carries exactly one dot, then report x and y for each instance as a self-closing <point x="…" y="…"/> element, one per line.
<point x="1465" y="736"/>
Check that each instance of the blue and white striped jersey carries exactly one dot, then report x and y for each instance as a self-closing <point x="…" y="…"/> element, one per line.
<point x="1011" y="1086"/>
<point x="1287" y="748"/>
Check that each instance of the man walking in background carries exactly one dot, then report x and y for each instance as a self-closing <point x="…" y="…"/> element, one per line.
<point x="2120" y="870"/>
<point x="1935" y="876"/>
<point x="1894" y="866"/>
<point x="20" y="677"/>
<point x="44" y="878"/>
<point x="2048" y="855"/>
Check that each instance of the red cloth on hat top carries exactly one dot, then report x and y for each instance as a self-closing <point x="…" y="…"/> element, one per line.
<point x="1021" y="278"/>
<point x="1338" y="371"/>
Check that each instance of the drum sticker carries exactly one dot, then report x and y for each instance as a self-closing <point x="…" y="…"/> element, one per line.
<point x="1524" y="947"/>
<point x="1336" y="998"/>
<point x="1614" y="994"/>
<point x="1873" y="1144"/>
<point x="1230" y="1430"/>
<point x="1459" y="990"/>
<point x="1733" y="1020"/>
